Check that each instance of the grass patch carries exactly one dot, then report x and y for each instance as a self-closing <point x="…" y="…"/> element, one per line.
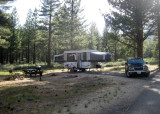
<point x="30" y="65"/>
<point x="120" y="64"/>
<point x="76" y="105"/>
<point x="68" y="110"/>
<point x="151" y="61"/>
<point x="109" y="66"/>
<point x="59" y="111"/>
<point x="17" y="96"/>
<point x="20" y="67"/>
<point x="85" y="106"/>
<point x="119" y="68"/>
<point x="6" y="73"/>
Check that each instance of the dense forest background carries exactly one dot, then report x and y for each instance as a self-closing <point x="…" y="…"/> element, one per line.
<point x="131" y="30"/>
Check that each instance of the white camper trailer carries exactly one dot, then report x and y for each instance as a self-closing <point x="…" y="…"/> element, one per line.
<point x="82" y="59"/>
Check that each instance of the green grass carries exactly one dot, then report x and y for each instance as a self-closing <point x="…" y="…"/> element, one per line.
<point x="71" y="113"/>
<point x="59" y="111"/>
<point x="68" y="110"/>
<point x="12" y="96"/>
<point x="86" y="106"/>
<point x="120" y="64"/>
<point x="110" y="66"/>
<point x="17" y="68"/>
<point x="151" y="61"/>
<point x="30" y="65"/>
<point x="6" y="73"/>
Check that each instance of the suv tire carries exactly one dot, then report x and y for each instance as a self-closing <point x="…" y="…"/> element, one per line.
<point x="147" y="74"/>
<point x="127" y="74"/>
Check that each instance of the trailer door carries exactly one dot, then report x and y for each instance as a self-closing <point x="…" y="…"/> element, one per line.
<point x="79" y="60"/>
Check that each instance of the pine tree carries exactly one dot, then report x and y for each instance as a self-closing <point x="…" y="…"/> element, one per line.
<point x="76" y="23"/>
<point x="35" y="33"/>
<point x="6" y="1"/>
<point x="61" y="32"/>
<point x="94" y="39"/>
<point x="5" y="4"/>
<point x="28" y="34"/>
<point x="69" y="27"/>
<point x="133" y="19"/>
<point x="13" y="39"/>
<point x="48" y="10"/>
<point x="5" y="33"/>
<point x="156" y="11"/>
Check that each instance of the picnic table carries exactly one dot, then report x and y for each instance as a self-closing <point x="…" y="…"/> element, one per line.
<point x="33" y="71"/>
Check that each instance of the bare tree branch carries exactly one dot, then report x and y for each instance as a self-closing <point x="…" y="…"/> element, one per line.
<point x="148" y="33"/>
<point x="129" y="45"/>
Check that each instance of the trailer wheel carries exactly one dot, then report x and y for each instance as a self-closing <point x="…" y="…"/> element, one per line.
<point x="83" y="69"/>
<point x="74" y="69"/>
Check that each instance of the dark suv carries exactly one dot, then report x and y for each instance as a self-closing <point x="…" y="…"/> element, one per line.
<point x="136" y="66"/>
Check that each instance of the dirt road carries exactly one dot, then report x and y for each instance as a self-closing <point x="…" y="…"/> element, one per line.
<point x="142" y="97"/>
<point x="148" y="101"/>
<point x="117" y="99"/>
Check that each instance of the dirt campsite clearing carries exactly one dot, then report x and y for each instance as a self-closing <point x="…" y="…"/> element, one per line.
<point x="63" y="92"/>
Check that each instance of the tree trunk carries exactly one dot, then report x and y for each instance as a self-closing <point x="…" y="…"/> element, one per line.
<point x="140" y="49"/>
<point x="158" y="26"/>
<point x="11" y="58"/>
<point x="19" y="57"/>
<point x="139" y="22"/>
<point x="34" y="53"/>
<point x="16" y="57"/>
<point x="49" y="43"/>
<point x="1" y="55"/>
<point x="71" y="32"/>
<point x="159" y="39"/>
<point x="28" y="53"/>
<point x="22" y="56"/>
<point x="134" y="52"/>
<point x="140" y="40"/>
<point x="7" y="56"/>
<point x="115" y="53"/>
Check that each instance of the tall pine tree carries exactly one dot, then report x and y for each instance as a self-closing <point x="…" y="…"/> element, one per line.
<point x="133" y="19"/>
<point x="76" y="23"/>
<point x="48" y="10"/>
<point x="13" y="39"/>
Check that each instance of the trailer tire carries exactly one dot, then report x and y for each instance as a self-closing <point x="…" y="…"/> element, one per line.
<point x="83" y="69"/>
<point x="74" y="69"/>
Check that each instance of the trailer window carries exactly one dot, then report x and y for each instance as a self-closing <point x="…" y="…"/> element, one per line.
<point x="96" y="57"/>
<point x="71" y="57"/>
<point x="59" y="58"/>
<point x="84" y="56"/>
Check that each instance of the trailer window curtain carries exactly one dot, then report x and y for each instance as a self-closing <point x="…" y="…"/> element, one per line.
<point x="71" y="57"/>
<point x="84" y="56"/>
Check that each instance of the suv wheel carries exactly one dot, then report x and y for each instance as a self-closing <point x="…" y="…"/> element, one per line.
<point x="127" y="74"/>
<point x="147" y="74"/>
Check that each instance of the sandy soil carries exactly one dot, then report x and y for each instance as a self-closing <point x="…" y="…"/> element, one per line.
<point x="78" y="93"/>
